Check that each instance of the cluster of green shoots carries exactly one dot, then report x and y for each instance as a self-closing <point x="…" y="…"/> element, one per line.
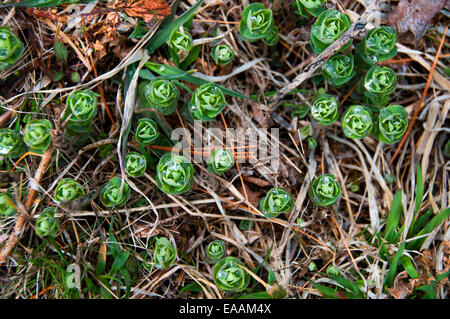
<point x="372" y="115"/>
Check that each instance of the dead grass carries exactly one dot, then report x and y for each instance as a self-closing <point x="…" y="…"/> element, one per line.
<point x="342" y="235"/>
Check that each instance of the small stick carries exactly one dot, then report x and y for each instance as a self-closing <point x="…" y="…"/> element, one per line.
<point x="21" y="218"/>
<point x="360" y="26"/>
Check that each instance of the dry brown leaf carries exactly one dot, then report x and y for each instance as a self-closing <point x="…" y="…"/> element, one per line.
<point x="259" y="116"/>
<point x="401" y="289"/>
<point x="415" y="15"/>
<point x="146" y="9"/>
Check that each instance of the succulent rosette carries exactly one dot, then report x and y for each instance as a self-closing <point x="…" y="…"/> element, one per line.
<point x="313" y="7"/>
<point x="391" y="124"/>
<point x="6" y="207"/>
<point x="146" y="131"/>
<point x="11" y="143"/>
<point x="47" y="224"/>
<point x="277" y="201"/>
<point x="11" y="48"/>
<point x="206" y="102"/>
<point x="221" y="161"/>
<point x="164" y="254"/>
<point x="135" y="164"/>
<point x="324" y="190"/>
<point x="36" y="135"/>
<point x="180" y="40"/>
<point x="256" y="23"/>
<point x="339" y="69"/>
<point x="160" y="94"/>
<point x="325" y="109"/>
<point x="328" y="27"/>
<point x="379" y="83"/>
<point x="82" y="107"/>
<point x="222" y="54"/>
<point x="357" y="122"/>
<point x="115" y="193"/>
<point x="215" y="251"/>
<point x="174" y="174"/>
<point x="272" y="37"/>
<point x="229" y="277"/>
<point x="68" y="190"/>
<point x="378" y="45"/>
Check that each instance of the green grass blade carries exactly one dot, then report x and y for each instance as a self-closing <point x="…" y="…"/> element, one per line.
<point x="431" y="225"/>
<point x="172" y="73"/>
<point x="354" y="289"/>
<point x="393" y="217"/>
<point x="393" y="266"/>
<point x="409" y="267"/>
<point x="163" y="34"/>
<point x="419" y="189"/>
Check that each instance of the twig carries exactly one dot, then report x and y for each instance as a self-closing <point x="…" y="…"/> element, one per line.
<point x="21" y="218"/>
<point x="357" y="28"/>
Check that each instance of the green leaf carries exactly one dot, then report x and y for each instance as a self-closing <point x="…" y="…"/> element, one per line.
<point x="328" y="292"/>
<point x="407" y="264"/>
<point x="393" y="217"/>
<point x="172" y="73"/>
<point x="431" y="225"/>
<point x="57" y="76"/>
<point x="119" y="262"/>
<point x="256" y="295"/>
<point x="389" y="279"/>
<point x="164" y="33"/>
<point x="348" y="285"/>
<point x="60" y="51"/>
<point x="193" y="287"/>
<point x="419" y="189"/>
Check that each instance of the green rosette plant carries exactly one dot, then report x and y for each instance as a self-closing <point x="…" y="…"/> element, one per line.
<point x="256" y="22"/>
<point x="68" y="190"/>
<point x="36" y="135"/>
<point x="215" y="251"/>
<point x="357" y="122"/>
<point x="379" y="83"/>
<point x="115" y="194"/>
<point x="313" y="7"/>
<point x="11" y="48"/>
<point x="222" y="54"/>
<point x="339" y="69"/>
<point x="220" y="161"/>
<point x="180" y="40"/>
<point x="325" y="109"/>
<point x="160" y="94"/>
<point x="312" y="142"/>
<point x="229" y="277"/>
<point x="135" y="164"/>
<point x="272" y="37"/>
<point x="378" y="45"/>
<point x="328" y="27"/>
<point x="6" y="207"/>
<point x="146" y="131"/>
<point x="81" y="109"/>
<point x="174" y="174"/>
<point x="206" y="102"/>
<point x="11" y="143"/>
<point x="390" y="124"/>
<point x="47" y="224"/>
<point x="277" y="201"/>
<point x="324" y="190"/>
<point x="164" y="254"/>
